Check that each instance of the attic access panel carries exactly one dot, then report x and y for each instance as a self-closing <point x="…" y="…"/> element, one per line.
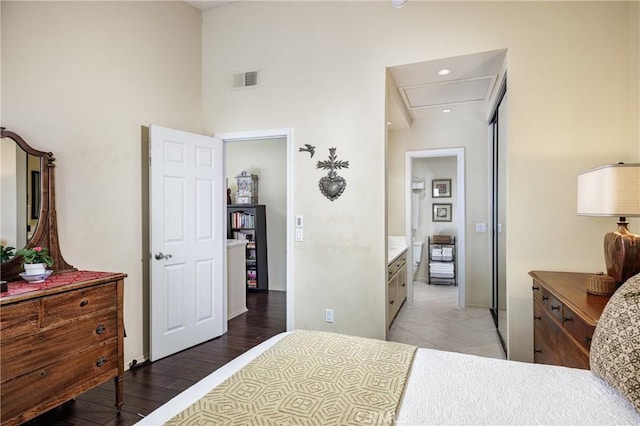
<point x="448" y="93"/>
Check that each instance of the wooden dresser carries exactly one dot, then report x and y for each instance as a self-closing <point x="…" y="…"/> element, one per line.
<point x="564" y="318"/>
<point x="59" y="339"/>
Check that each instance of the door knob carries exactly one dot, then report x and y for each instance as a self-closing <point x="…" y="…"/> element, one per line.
<point x="159" y="256"/>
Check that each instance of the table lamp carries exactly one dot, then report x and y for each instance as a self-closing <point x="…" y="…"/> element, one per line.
<point x="614" y="190"/>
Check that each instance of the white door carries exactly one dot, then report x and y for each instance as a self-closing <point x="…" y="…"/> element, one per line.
<point x="187" y="213"/>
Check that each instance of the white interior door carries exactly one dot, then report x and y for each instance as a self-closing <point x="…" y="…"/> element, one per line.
<point x="187" y="209"/>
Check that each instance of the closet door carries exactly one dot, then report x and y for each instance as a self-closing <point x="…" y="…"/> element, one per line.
<point x="498" y="126"/>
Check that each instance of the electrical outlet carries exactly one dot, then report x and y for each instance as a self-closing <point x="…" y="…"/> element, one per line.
<point x="328" y="315"/>
<point x="299" y="234"/>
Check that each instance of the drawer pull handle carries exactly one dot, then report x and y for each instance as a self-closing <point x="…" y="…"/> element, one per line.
<point x="391" y="303"/>
<point x="101" y="361"/>
<point x="538" y="351"/>
<point x="534" y="288"/>
<point x="588" y="340"/>
<point x="404" y="284"/>
<point x="84" y="303"/>
<point x="537" y="318"/>
<point x="43" y="373"/>
<point x="545" y="297"/>
<point x="555" y="308"/>
<point x="100" y="329"/>
<point x="568" y="319"/>
<point x="41" y="336"/>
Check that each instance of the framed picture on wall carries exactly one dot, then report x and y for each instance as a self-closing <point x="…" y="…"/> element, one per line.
<point x="441" y="188"/>
<point x="441" y="212"/>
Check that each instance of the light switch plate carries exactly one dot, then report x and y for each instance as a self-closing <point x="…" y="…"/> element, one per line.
<point x="299" y="234"/>
<point x="299" y="221"/>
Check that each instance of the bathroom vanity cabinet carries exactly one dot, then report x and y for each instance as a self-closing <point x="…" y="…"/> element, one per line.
<point x="396" y="285"/>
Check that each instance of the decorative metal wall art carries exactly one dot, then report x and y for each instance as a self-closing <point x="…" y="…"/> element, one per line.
<point x="332" y="185"/>
<point x="308" y="148"/>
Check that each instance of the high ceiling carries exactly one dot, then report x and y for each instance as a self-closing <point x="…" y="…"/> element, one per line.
<point x="422" y="90"/>
<point x="419" y="91"/>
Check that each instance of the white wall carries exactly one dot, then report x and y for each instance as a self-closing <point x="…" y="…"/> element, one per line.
<point x="266" y="158"/>
<point x="323" y="73"/>
<point x="79" y="79"/>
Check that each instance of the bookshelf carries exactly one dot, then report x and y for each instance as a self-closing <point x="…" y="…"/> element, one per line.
<point x="248" y="222"/>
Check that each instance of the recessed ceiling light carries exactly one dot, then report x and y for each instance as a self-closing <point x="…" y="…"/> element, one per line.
<point x="447" y="110"/>
<point x="398" y="3"/>
<point x="444" y="71"/>
<point x="389" y="123"/>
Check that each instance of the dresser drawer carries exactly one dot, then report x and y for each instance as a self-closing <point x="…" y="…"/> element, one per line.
<point x="579" y="329"/>
<point x="541" y="294"/>
<point x="556" y="308"/>
<point x="67" y="306"/>
<point x="46" y="346"/>
<point x="19" y="318"/>
<point x="569" y="354"/>
<point x="545" y="336"/>
<point x="41" y="386"/>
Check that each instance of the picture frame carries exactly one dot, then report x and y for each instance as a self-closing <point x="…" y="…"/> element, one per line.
<point x="441" y="212"/>
<point x="441" y="188"/>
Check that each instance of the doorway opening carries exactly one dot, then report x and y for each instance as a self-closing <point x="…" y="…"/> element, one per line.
<point x="283" y="217"/>
<point x="418" y="209"/>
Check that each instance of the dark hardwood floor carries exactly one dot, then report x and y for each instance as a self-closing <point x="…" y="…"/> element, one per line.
<point x="149" y="386"/>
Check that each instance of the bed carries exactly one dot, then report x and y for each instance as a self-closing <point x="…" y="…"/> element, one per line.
<point x="436" y="387"/>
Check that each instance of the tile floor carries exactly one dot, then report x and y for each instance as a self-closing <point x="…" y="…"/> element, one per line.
<point x="433" y="320"/>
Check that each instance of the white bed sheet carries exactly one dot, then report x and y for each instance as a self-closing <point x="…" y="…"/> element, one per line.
<point x="451" y="388"/>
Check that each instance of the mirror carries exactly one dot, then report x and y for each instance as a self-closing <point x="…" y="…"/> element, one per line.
<point x="19" y="194"/>
<point x="27" y="215"/>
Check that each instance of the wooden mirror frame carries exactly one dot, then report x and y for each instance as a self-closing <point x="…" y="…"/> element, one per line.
<point x="46" y="232"/>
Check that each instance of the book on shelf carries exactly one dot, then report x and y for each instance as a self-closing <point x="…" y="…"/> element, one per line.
<point x="244" y="236"/>
<point x="241" y="220"/>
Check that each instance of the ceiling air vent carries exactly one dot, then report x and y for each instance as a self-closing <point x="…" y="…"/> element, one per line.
<point x="245" y="79"/>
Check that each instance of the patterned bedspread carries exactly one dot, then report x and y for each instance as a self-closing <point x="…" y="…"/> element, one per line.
<point x="310" y="378"/>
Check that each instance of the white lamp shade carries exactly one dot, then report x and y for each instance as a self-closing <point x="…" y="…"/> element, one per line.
<point x="611" y="190"/>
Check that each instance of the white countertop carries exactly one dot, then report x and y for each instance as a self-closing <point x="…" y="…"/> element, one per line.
<point x="234" y="243"/>
<point x="396" y="245"/>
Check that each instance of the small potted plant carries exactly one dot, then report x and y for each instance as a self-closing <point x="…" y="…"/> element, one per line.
<point x="35" y="260"/>
<point x="6" y="253"/>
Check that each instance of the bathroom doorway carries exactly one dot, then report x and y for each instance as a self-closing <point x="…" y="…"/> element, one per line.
<point x="423" y="168"/>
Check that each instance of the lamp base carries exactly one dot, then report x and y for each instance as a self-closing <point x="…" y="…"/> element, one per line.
<point x="622" y="253"/>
